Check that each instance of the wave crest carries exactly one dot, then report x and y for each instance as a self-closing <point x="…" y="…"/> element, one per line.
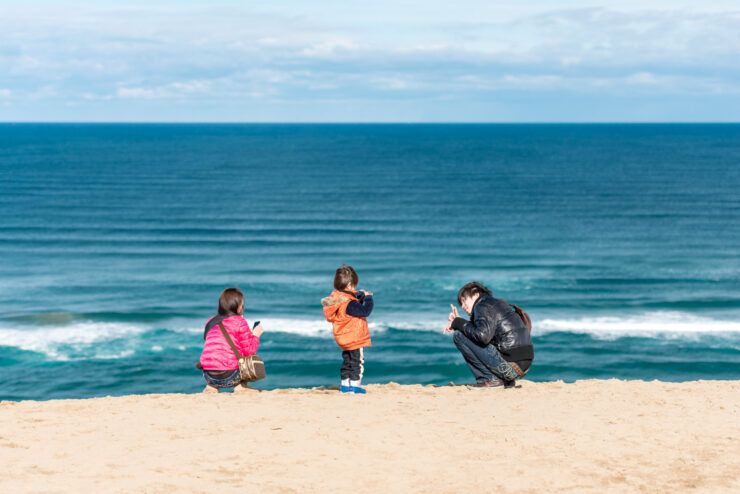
<point x="654" y="324"/>
<point x="74" y="339"/>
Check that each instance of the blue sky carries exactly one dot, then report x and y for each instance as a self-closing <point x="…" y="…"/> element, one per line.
<point x="361" y="61"/>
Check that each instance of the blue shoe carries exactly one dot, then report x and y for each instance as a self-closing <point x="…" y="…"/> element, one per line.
<point x="345" y="389"/>
<point x="358" y="390"/>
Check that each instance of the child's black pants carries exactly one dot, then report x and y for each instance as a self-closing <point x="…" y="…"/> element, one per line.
<point x="353" y="364"/>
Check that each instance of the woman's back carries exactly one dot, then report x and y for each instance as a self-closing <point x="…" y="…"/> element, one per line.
<point x="217" y="353"/>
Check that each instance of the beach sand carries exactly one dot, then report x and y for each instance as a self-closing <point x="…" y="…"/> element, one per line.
<point x="588" y="436"/>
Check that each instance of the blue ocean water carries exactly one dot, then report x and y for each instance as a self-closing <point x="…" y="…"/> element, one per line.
<point x="621" y="241"/>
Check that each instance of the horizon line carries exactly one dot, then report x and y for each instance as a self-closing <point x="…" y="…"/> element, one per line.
<point x="340" y="122"/>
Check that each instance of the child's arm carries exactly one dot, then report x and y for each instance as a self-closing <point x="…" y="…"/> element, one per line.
<point x="363" y="309"/>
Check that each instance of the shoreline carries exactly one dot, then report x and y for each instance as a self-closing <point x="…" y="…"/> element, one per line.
<point x="376" y="387"/>
<point x="587" y="436"/>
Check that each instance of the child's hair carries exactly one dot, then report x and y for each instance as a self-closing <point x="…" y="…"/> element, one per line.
<point x="471" y="289"/>
<point x="229" y="302"/>
<point x="345" y="276"/>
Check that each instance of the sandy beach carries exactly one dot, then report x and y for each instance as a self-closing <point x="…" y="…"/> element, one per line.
<point x="589" y="436"/>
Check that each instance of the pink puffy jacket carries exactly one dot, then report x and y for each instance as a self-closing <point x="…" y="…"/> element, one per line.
<point x="217" y="353"/>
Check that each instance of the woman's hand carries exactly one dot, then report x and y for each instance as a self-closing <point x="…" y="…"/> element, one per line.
<point x="453" y="315"/>
<point x="258" y="330"/>
<point x="366" y="292"/>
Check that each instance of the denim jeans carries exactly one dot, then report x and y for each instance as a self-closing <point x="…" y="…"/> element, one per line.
<point x="229" y="382"/>
<point x="486" y="362"/>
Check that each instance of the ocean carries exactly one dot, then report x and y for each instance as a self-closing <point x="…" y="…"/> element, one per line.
<point x="622" y="242"/>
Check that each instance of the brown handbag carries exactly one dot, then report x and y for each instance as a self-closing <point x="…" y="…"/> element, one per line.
<point x="251" y="367"/>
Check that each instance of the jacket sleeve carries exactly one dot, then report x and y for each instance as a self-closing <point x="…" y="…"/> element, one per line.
<point x="481" y="332"/>
<point x="248" y="343"/>
<point x="358" y="309"/>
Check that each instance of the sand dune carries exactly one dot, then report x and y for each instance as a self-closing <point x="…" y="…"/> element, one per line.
<point x="590" y="436"/>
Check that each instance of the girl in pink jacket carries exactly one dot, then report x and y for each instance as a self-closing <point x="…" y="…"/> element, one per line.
<point x="220" y="365"/>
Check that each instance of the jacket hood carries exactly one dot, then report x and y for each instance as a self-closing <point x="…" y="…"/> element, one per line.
<point x="333" y="303"/>
<point x="332" y="300"/>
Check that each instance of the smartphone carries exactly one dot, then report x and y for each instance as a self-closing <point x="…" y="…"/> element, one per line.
<point x="256" y="323"/>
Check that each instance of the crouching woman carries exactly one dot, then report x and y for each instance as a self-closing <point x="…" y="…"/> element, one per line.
<point x="218" y="360"/>
<point x="495" y="342"/>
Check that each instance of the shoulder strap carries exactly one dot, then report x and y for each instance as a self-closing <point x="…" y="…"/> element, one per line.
<point x="212" y="323"/>
<point x="231" y="342"/>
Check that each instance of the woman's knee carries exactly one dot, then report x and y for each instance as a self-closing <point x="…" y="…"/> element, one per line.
<point x="456" y="338"/>
<point x="461" y="341"/>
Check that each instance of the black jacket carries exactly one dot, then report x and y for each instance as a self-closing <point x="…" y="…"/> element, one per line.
<point x="496" y="322"/>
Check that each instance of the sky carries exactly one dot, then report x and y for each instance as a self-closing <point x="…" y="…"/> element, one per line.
<point x="370" y="61"/>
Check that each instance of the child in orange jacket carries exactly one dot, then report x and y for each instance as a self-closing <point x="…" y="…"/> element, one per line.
<point x="347" y="310"/>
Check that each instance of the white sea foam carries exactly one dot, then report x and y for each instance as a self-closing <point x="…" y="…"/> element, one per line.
<point x="648" y="324"/>
<point x="102" y="355"/>
<point x="51" y="340"/>
<point x="111" y="340"/>
<point x="654" y="324"/>
<point x="304" y="327"/>
<point x="322" y="329"/>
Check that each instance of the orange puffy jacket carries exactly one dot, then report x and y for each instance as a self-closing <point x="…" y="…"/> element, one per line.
<point x="350" y="332"/>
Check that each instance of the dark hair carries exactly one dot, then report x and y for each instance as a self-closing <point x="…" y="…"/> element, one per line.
<point x="471" y="289"/>
<point x="345" y="275"/>
<point x="229" y="302"/>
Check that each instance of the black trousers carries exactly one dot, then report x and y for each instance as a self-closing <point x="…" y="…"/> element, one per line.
<point x="353" y="365"/>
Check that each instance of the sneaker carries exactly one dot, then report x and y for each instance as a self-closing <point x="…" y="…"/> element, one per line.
<point x="509" y="384"/>
<point x="493" y="383"/>
<point x="345" y="389"/>
<point x="358" y="390"/>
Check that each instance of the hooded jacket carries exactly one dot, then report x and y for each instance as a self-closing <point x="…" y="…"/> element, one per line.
<point x="350" y="332"/>
<point x="495" y="322"/>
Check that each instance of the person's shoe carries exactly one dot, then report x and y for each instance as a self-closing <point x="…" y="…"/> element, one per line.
<point x="345" y="389"/>
<point x="493" y="383"/>
<point x="509" y="384"/>
<point x="358" y="390"/>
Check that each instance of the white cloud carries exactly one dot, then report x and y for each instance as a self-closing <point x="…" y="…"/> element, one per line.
<point x="95" y="97"/>
<point x="25" y="64"/>
<point x="644" y="78"/>
<point x="330" y="48"/>
<point x="395" y="83"/>
<point x="298" y="52"/>
<point x="191" y="86"/>
<point x="172" y="90"/>
<point x="268" y="42"/>
<point x="532" y="80"/>
<point x="47" y="91"/>
<point x="5" y="93"/>
<point x="136" y="93"/>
